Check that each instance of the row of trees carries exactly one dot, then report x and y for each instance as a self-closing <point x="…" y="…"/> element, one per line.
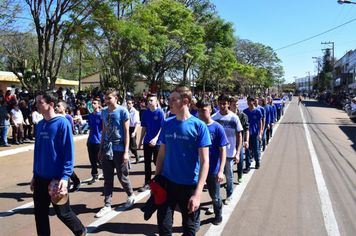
<point x="182" y="40"/>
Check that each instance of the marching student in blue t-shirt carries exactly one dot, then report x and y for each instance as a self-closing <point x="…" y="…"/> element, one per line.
<point x="217" y="158"/>
<point x="255" y="120"/>
<point x="94" y="139"/>
<point x="183" y="160"/>
<point x="261" y="105"/>
<point x="151" y="122"/>
<point x="277" y="102"/>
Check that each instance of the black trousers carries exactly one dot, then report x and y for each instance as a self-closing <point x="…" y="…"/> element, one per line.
<point x="93" y="150"/>
<point x="148" y="151"/>
<point x="42" y="201"/>
<point x="133" y="143"/>
<point x="176" y="194"/>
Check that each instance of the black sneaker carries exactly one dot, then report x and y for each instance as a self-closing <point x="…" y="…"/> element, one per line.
<point x="76" y="187"/>
<point x="217" y="220"/>
<point x="93" y="180"/>
<point x="144" y="188"/>
<point x="246" y="170"/>
<point x="137" y="159"/>
<point x="257" y="166"/>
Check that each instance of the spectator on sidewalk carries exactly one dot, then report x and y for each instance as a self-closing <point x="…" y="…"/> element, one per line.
<point x="4" y="123"/>
<point x="80" y="124"/>
<point x="53" y="159"/>
<point x="17" y="122"/>
<point x="27" y="127"/>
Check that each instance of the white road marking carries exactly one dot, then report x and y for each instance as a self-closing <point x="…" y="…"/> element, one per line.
<point x="17" y="209"/>
<point x="93" y="226"/>
<point x="331" y="225"/>
<point x="236" y="195"/>
<point x="31" y="147"/>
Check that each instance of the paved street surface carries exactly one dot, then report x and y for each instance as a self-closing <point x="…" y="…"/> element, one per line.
<point x="306" y="186"/>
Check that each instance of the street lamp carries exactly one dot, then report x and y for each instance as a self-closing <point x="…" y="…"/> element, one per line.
<point x="317" y="60"/>
<point x="348" y="2"/>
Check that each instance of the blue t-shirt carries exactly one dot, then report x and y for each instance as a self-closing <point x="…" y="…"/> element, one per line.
<point x="268" y="114"/>
<point x="277" y="104"/>
<point x="70" y="119"/>
<point x="194" y="113"/>
<point x="114" y="127"/>
<point x="96" y="127"/>
<point x="153" y="122"/>
<point x="253" y="119"/>
<point x="183" y="139"/>
<point x="218" y="139"/>
<point x="54" y="149"/>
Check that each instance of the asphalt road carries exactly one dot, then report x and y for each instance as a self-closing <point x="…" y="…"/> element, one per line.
<point x="306" y="186"/>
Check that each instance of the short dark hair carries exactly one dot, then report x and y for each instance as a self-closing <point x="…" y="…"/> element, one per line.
<point x="251" y="98"/>
<point x="64" y="104"/>
<point x="233" y="99"/>
<point x="203" y="103"/>
<point x="49" y="96"/>
<point x="110" y="91"/>
<point x="223" y="97"/>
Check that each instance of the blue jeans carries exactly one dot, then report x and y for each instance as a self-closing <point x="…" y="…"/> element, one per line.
<point x="229" y="173"/>
<point x="263" y="140"/>
<point x="82" y="128"/>
<point x="3" y="134"/>
<point x="214" y="192"/>
<point x="254" y="148"/>
<point x="240" y="165"/>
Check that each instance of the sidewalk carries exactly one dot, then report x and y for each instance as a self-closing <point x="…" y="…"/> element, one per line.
<point x="28" y="146"/>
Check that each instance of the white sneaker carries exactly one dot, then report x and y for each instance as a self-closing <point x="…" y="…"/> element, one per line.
<point x="210" y="210"/>
<point x="130" y="201"/>
<point x="228" y="200"/>
<point x="103" y="211"/>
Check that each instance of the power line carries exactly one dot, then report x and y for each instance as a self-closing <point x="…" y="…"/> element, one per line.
<point x="315" y="35"/>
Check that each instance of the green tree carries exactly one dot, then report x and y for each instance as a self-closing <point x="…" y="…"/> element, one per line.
<point x="265" y="61"/>
<point x="55" y="22"/>
<point x="174" y="41"/>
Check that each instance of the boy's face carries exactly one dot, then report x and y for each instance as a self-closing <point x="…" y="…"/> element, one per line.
<point x="95" y="104"/>
<point x="60" y="108"/>
<point x="129" y="105"/>
<point x="41" y="105"/>
<point x="204" y="113"/>
<point x="175" y="103"/>
<point x="234" y="106"/>
<point x="152" y="102"/>
<point x="110" y="100"/>
<point x="223" y="105"/>
<point x="251" y="103"/>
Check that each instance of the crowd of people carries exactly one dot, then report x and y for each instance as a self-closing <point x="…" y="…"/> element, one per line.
<point x="192" y="141"/>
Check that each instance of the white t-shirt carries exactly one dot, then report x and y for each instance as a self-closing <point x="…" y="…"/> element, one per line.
<point x="231" y="124"/>
<point x="17" y="116"/>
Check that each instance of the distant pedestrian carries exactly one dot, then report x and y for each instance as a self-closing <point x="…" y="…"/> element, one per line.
<point x="300" y="99"/>
<point x="53" y="159"/>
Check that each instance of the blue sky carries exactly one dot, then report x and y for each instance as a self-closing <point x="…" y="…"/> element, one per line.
<point x="278" y="23"/>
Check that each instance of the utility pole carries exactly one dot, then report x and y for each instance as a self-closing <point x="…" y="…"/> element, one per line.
<point x="318" y="61"/>
<point x="308" y="72"/>
<point x="333" y="77"/>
